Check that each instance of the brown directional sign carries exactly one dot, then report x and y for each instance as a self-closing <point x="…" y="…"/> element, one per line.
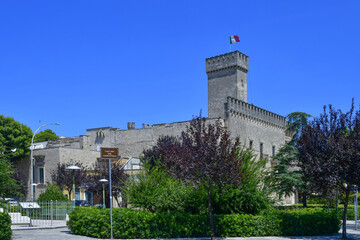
<point x="109" y="153"/>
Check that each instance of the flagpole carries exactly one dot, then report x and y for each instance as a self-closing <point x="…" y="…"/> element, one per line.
<point x="230" y="43"/>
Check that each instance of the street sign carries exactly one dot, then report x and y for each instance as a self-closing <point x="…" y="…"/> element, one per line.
<point x="109" y="153"/>
<point x="29" y="205"/>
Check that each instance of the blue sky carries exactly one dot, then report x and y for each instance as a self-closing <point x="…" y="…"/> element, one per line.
<point x="88" y="64"/>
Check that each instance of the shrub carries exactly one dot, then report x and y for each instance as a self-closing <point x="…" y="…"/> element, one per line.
<point x="157" y="191"/>
<point x="240" y="201"/>
<point x="5" y="229"/>
<point x="129" y="223"/>
<point x="52" y="193"/>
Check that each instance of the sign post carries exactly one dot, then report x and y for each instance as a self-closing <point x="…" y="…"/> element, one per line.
<point x="110" y="153"/>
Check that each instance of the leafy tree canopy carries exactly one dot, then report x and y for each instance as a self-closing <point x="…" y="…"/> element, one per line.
<point x="286" y="177"/>
<point x="8" y="185"/>
<point x="52" y="193"/>
<point x="15" y="139"/>
<point x="297" y="122"/>
<point x="45" y="135"/>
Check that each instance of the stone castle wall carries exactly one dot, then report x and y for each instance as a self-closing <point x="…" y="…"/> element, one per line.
<point x="133" y="142"/>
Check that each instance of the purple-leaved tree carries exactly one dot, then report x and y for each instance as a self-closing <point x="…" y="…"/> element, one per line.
<point x="329" y="153"/>
<point x="63" y="178"/>
<point x="204" y="155"/>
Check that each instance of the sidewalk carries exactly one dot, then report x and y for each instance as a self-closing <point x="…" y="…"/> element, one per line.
<point x="40" y="224"/>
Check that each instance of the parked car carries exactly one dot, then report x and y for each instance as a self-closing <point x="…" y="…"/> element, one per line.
<point x="82" y="203"/>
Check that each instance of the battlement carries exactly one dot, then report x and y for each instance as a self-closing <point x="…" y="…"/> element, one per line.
<point x="238" y="107"/>
<point x="226" y="61"/>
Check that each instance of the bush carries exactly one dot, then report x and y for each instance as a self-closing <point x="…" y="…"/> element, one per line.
<point x="240" y="201"/>
<point x="52" y="193"/>
<point x="157" y="191"/>
<point x="5" y="229"/>
<point x="128" y="223"/>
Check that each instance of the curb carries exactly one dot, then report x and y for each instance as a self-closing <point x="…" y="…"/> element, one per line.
<point x="37" y="228"/>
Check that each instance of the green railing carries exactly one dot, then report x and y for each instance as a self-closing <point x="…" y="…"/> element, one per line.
<point x="39" y="213"/>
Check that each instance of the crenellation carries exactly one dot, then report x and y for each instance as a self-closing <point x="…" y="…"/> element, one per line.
<point x="146" y="126"/>
<point x="236" y="105"/>
<point x="227" y="61"/>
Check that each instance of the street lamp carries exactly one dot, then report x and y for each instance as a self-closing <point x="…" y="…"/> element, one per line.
<point x="103" y="183"/>
<point x="32" y="160"/>
<point x="73" y="168"/>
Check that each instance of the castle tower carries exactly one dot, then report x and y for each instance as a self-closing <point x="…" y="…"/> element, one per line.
<point x="227" y="77"/>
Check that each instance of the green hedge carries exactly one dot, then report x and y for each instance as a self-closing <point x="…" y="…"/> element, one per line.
<point x="128" y="223"/>
<point x="350" y="211"/>
<point x="5" y="229"/>
<point x="309" y="222"/>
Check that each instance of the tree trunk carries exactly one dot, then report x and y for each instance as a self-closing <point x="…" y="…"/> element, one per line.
<point x="345" y="212"/>
<point x="211" y="215"/>
<point x="304" y="200"/>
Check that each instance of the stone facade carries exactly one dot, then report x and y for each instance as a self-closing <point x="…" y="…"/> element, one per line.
<point x="257" y="128"/>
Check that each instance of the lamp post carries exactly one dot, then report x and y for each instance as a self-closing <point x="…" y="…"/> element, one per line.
<point x="103" y="183"/>
<point x="73" y="168"/>
<point x="31" y="212"/>
<point x="32" y="159"/>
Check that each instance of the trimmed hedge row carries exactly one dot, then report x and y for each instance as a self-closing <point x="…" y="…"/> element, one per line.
<point x="309" y="222"/>
<point x="350" y="211"/>
<point x="5" y="229"/>
<point x="128" y="223"/>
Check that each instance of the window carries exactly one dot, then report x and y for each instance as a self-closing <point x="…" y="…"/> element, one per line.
<point x="261" y="150"/>
<point x="273" y="151"/>
<point x="41" y="178"/>
<point x="251" y="144"/>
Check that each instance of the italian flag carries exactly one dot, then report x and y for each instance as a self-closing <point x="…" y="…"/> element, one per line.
<point x="234" y="39"/>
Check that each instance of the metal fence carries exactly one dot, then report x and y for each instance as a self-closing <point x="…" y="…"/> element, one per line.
<point x="39" y="213"/>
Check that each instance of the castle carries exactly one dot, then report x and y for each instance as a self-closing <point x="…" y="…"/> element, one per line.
<point x="258" y="129"/>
